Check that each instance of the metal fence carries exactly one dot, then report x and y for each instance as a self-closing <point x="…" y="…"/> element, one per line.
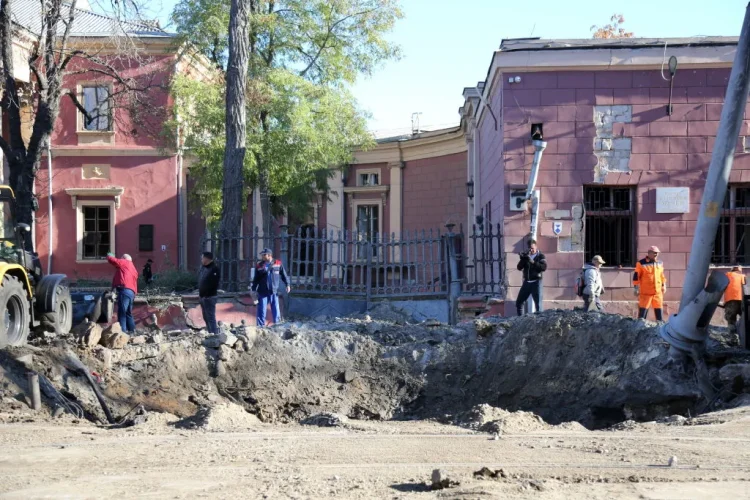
<point x="424" y="263"/>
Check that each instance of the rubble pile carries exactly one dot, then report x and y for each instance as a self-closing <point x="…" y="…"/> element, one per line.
<point x="565" y="366"/>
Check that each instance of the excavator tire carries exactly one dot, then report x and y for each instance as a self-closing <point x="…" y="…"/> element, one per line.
<point x="15" y="315"/>
<point x="61" y="319"/>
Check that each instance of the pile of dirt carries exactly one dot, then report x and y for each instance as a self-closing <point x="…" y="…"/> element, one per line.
<point x="565" y="366"/>
<point x="486" y="418"/>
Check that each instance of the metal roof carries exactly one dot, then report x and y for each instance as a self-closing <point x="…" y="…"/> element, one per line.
<point x="528" y="44"/>
<point x="27" y="13"/>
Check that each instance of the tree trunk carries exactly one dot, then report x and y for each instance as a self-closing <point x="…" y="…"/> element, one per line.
<point x="236" y="119"/>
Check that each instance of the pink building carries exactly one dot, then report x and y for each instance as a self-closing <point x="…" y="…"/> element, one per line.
<point x="622" y="170"/>
<point x="114" y="186"/>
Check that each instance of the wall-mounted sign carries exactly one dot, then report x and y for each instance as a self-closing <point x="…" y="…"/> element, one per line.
<point x="673" y="200"/>
<point x="557" y="228"/>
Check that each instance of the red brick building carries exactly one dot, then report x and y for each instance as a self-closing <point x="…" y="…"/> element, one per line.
<point x="621" y="170"/>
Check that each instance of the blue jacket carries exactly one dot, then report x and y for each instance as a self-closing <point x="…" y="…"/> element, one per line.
<point x="267" y="277"/>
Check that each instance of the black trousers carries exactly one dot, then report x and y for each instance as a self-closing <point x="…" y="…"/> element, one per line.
<point x="528" y="288"/>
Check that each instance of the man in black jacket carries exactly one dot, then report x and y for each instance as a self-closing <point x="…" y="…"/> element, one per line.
<point x="533" y="264"/>
<point x="208" y="287"/>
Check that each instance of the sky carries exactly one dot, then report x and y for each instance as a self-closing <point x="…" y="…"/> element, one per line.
<point x="448" y="45"/>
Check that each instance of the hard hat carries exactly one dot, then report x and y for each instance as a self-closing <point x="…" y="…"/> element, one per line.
<point x="653" y="248"/>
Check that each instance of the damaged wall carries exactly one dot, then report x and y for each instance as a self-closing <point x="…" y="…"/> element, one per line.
<point x="609" y="128"/>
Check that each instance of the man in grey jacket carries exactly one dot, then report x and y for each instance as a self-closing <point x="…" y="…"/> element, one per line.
<point x="593" y="286"/>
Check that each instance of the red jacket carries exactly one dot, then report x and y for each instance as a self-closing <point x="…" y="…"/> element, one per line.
<point x="126" y="275"/>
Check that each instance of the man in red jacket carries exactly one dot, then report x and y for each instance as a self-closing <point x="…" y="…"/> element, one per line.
<point x="125" y="282"/>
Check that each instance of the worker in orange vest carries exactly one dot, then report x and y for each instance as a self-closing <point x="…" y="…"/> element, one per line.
<point x="733" y="298"/>
<point x="650" y="284"/>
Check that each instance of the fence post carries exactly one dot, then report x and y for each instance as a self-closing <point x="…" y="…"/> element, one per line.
<point x="368" y="270"/>
<point x="455" y="282"/>
<point x="284" y="252"/>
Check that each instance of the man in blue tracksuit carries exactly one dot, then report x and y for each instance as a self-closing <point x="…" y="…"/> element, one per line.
<point x="268" y="275"/>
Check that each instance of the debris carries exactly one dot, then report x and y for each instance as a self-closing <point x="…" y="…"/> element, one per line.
<point x="440" y="480"/>
<point x="225" y="352"/>
<point x="113" y="337"/>
<point x="138" y="339"/>
<point x="736" y="374"/>
<point x="323" y="420"/>
<point x="349" y="376"/>
<point x="486" y="473"/>
<point x="431" y="322"/>
<point x="483" y="327"/>
<point x="87" y="334"/>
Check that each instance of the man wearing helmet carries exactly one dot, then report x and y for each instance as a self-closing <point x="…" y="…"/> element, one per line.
<point x="650" y="284"/>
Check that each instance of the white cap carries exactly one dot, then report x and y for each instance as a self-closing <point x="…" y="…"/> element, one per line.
<point x="127" y="257"/>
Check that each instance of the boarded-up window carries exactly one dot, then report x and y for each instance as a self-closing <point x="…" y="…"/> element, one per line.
<point x="146" y="238"/>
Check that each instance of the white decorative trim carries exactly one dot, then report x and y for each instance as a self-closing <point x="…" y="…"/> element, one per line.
<point x="78" y="206"/>
<point x="366" y="189"/>
<point x="366" y="171"/>
<point x="115" y="191"/>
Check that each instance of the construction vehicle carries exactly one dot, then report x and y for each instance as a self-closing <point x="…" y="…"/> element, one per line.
<point x="28" y="299"/>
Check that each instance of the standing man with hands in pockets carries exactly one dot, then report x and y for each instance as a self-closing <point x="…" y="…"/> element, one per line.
<point x="532" y="263"/>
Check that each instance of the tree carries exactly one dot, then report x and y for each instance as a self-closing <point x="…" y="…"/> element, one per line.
<point x="302" y="120"/>
<point x="612" y="30"/>
<point x="56" y="53"/>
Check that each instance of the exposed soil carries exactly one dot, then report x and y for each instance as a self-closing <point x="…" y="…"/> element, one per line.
<point x="505" y="386"/>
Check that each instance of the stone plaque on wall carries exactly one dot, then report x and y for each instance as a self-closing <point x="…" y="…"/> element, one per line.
<point x="673" y="200"/>
<point x="95" y="171"/>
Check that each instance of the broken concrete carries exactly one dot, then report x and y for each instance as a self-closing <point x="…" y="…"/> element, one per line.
<point x="87" y="334"/>
<point x="113" y="337"/>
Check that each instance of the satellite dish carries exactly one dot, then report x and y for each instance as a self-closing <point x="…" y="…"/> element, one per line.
<point x="672" y="65"/>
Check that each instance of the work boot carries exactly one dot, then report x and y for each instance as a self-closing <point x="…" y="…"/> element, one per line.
<point x="658" y="315"/>
<point x="642" y="312"/>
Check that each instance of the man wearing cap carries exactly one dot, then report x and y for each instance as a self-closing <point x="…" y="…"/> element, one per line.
<point x="733" y="298"/>
<point x="125" y="281"/>
<point x="593" y="286"/>
<point x="268" y="275"/>
<point x="650" y="284"/>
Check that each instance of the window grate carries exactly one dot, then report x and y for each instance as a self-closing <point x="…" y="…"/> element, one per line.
<point x="609" y="225"/>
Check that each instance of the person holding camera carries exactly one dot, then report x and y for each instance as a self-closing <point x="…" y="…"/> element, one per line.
<point x="532" y="264"/>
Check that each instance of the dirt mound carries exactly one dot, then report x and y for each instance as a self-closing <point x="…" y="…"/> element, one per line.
<point x="486" y="418"/>
<point x="565" y="366"/>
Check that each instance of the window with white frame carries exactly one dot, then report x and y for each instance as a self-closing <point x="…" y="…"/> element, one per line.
<point x="96" y="102"/>
<point x="369" y="179"/>
<point x="96" y="240"/>
<point x="730" y="245"/>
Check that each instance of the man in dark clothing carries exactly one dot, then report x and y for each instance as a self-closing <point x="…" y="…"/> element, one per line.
<point x="532" y="264"/>
<point x="208" y="287"/>
<point x="148" y="275"/>
<point x="125" y="282"/>
<point x="268" y="274"/>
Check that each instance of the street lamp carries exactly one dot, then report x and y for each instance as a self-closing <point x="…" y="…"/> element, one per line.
<point x="470" y="189"/>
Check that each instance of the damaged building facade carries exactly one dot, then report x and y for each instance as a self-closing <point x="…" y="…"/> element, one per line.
<point x="628" y="148"/>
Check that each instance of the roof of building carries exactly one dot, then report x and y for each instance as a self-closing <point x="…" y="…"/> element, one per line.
<point x="422" y="134"/>
<point x="27" y="13"/>
<point x="528" y="44"/>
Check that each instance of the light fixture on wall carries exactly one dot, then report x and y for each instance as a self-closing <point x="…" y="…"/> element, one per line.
<point x="672" y="72"/>
<point x="470" y="190"/>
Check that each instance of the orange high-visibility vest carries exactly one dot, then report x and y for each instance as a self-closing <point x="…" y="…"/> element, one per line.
<point x="649" y="276"/>
<point x="734" y="290"/>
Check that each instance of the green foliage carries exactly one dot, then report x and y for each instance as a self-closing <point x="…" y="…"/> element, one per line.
<point x="303" y="123"/>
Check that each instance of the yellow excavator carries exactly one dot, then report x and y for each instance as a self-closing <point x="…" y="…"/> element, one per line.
<point x="28" y="299"/>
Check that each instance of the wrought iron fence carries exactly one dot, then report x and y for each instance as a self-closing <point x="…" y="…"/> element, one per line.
<point x="353" y="264"/>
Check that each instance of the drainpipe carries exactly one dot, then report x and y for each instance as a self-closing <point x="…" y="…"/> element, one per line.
<point x="50" y="225"/>
<point x="180" y="201"/>
<point x="534" y="198"/>
<point x="682" y="332"/>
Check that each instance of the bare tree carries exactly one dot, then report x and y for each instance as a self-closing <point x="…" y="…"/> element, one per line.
<point x="57" y="53"/>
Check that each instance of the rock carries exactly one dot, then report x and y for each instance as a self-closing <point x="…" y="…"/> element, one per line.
<point x="139" y="339"/>
<point x="87" y="334"/>
<point x="212" y="342"/>
<point x="432" y="322"/>
<point x="26" y="360"/>
<point x="225" y="352"/>
<point x="240" y="346"/>
<point x="374" y="327"/>
<point x="221" y="369"/>
<point x="349" y="376"/>
<point x="323" y="420"/>
<point x="739" y="401"/>
<point x="156" y="338"/>
<point x="116" y="340"/>
<point x="227" y="338"/>
<point x="104" y="355"/>
<point x="58" y="411"/>
<point x="223" y="338"/>
<point x="440" y="480"/>
<point x="483" y="327"/>
<point x="367" y="318"/>
<point x="731" y="374"/>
